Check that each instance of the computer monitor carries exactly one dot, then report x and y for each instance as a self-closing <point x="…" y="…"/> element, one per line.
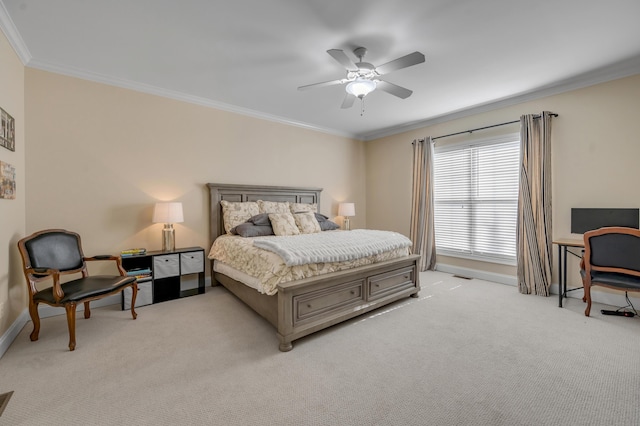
<point x="587" y="219"/>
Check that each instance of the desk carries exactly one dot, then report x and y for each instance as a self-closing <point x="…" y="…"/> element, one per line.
<point x="563" y="248"/>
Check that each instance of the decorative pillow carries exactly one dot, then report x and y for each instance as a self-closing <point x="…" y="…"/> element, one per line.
<point x="321" y="218"/>
<point x="327" y="225"/>
<point x="233" y="214"/>
<point x="302" y="207"/>
<point x="249" y="229"/>
<point x="283" y="224"/>
<point x="261" y="219"/>
<point x="307" y="222"/>
<point x="273" y="207"/>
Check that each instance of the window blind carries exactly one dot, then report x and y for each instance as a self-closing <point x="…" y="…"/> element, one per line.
<point x="476" y="199"/>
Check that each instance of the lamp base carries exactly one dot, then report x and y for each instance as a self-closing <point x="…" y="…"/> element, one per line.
<point x="168" y="238"/>
<point x="347" y="224"/>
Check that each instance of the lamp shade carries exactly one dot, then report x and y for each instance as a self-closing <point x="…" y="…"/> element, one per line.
<point x="346" y="209"/>
<point x="168" y="213"/>
<point x="361" y="87"/>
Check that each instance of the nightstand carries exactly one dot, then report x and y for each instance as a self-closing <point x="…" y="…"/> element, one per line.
<point x="174" y="274"/>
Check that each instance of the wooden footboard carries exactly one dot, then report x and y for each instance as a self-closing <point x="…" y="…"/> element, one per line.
<point x="306" y="306"/>
<point x="310" y="305"/>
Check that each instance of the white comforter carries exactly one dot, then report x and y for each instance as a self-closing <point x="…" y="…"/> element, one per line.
<point x="332" y="246"/>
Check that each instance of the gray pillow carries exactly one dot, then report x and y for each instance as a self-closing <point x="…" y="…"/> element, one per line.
<point x="249" y="229"/>
<point x="321" y="217"/>
<point x="261" y="219"/>
<point x="327" y="225"/>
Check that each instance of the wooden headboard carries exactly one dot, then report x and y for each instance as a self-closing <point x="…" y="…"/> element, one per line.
<point x="239" y="193"/>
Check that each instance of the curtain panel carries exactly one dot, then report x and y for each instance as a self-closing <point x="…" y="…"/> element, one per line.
<point x="422" y="232"/>
<point x="533" y="238"/>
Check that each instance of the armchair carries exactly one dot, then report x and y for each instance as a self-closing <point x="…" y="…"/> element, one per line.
<point x="611" y="259"/>
<point x="53" y="253"/>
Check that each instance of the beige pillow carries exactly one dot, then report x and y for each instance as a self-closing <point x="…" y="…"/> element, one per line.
<point x="307" y="222"/>
<point x="283" y="224"/>
<point x="273" y="207"/>
<point x="303" y="207"/>
<point x="233" y="214"/>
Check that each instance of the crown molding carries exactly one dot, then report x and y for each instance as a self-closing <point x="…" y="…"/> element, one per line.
<point x="13" y="36"/>
<point x="176" y="95"/>
<point x="615" y="71"/>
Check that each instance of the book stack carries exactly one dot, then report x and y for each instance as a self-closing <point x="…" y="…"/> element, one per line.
<point x="133" y="252"/>
<point x="141" y="274"/>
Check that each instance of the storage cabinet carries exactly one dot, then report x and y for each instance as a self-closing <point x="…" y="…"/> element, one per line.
<point x="174" y="274"/>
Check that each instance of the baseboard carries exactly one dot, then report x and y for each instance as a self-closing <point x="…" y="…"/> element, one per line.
<point x="597" y="295"/>
<point x="476" y="273"/>
<point x="12" y="332"/>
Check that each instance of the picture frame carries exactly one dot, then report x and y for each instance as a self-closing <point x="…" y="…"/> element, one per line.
<point x="7" y="130"/>
<point x="7" y="181"/>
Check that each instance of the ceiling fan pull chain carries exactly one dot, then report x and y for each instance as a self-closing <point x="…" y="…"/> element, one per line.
<point x="362" y="106"/>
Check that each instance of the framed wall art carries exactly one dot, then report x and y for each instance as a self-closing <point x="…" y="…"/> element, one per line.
<point x="7" y="131"/>
<point x="7" y="181"/>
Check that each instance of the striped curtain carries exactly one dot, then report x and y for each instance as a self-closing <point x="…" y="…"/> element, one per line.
<point x="533" y="239"/>
<point x="422" y="216"/>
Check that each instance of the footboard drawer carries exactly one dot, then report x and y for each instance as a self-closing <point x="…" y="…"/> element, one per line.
<point x="390" y="282"/>
<point x="309" y="306"/>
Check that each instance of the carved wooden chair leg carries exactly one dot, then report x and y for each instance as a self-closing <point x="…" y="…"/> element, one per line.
<point x="71" y="322"/>
<point x="87" y="310"/>
<point x="587" y="296"/>
<point x="134" y="293"/>
<point x="35" y="318"/>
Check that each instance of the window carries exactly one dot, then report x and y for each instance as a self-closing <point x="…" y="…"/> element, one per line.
<point x="476" y="199"/>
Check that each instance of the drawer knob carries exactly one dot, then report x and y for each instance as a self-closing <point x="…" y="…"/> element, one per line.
<point x="406" y="277"/>
<point x="353" y="292"/>
<point x="308" y="306"/>
<point x="377" y="285"/>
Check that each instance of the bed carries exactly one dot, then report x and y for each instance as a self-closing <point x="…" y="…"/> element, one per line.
<point x="304" y="306"/>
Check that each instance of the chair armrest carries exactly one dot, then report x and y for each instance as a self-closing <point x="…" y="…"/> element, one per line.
<point x="41" y="273"/>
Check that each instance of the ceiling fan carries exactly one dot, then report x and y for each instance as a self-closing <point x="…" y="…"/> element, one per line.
<point x="363" y="78"/>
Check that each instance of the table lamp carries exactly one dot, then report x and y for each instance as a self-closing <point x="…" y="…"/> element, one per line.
<point x="168" y="213"/>
<point x="347" y="210"/>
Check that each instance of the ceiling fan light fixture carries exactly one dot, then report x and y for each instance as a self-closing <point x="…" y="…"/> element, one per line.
<point x="361" y="87"/>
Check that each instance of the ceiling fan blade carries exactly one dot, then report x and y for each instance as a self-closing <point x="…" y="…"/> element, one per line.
<point x="348" y="101"/>
<point x="411" y="59"/>
<point x="393" y="89"/>
<point x="344" y="60"/>
<point x="323" y="84"/>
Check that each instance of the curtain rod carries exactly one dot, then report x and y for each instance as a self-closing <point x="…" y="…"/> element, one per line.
<point x="486" y="127"/>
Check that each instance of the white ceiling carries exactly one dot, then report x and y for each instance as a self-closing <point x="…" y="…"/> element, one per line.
<point x="249" y="56"/>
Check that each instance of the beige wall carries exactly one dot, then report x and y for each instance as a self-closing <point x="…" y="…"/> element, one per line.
<point x="12" y="288"/>
<point x="595" y="153"/>
<point x="100" y="157"/>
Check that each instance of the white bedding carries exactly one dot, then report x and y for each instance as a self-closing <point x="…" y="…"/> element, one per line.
<point x="332" y="246"/>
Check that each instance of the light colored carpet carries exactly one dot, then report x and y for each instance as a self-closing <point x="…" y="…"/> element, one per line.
<point x="464" y="353"/>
